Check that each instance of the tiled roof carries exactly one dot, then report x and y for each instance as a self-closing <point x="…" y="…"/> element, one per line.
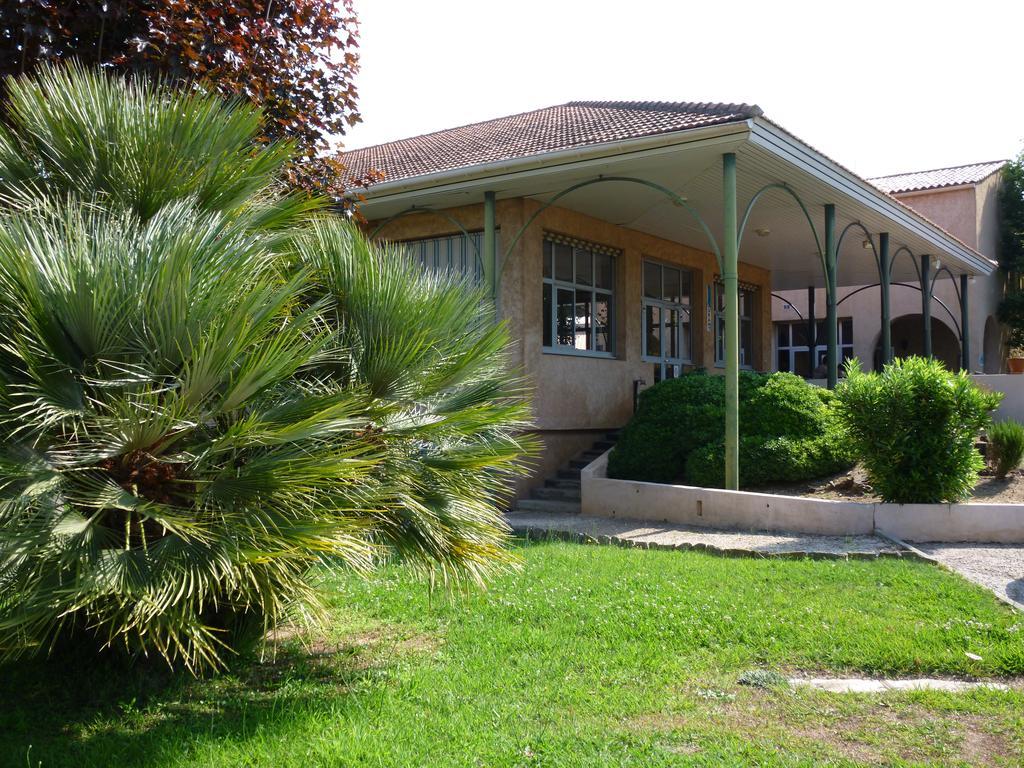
<point x="576" y="124"/>
<point x="940" y="177"/>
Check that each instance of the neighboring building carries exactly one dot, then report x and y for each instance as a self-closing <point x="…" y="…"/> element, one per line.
<point x="962" y="200"/>
<point x="599" y="229"/>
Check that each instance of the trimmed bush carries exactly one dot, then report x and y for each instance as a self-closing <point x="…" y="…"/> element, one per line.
<point x="789" y="432"/>
<point x="914" y="427"/>
<point x="1006" y="441"/>
<point x="767" y="460"/>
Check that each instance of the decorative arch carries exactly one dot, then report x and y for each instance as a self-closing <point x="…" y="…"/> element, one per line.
<point x="675" y="197"/>
<point x="444" y="215"/>
<point x="807" y="215"/>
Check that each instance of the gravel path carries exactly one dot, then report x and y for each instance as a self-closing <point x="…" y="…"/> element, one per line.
<point x="651" y="535"/>
<point x="999" y="567"/>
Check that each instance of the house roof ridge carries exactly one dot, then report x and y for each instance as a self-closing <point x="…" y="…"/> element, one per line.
<point x="937" y="170"/>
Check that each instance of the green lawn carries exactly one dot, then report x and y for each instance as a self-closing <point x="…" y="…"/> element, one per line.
<point x="590" y="656"/>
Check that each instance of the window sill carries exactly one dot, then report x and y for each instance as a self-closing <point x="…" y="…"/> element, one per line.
<point x="571" y="352"/>
<point x="668" y="361"/>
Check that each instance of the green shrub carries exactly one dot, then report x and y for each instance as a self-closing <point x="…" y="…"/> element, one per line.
<point x="914" y="427"/>
<point x="788" y="432"/>
<point x="1006" y="441"/>
<point x="767" y="460"/>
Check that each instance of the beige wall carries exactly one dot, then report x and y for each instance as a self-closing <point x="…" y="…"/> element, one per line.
<point x="576" y="398"/>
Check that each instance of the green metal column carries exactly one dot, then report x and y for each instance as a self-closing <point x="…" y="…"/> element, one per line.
<point x="884" y="279"/>
<point x="831" y="302"/>
<point x="965" y="326"/>
<point x="926" y="303"/>
<point x="490" y="250"/>
<point x="730" y="277"/>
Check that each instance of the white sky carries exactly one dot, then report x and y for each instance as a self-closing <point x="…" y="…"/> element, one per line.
<point x="881" y="87"/>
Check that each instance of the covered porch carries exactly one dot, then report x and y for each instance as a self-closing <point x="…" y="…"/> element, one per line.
<point x="758" y="205"/>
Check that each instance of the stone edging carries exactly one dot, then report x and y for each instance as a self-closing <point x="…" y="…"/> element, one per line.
<point x="536" y="533"/>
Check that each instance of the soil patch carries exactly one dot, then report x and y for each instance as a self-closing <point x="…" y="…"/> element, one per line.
<point x="855" y="486"/>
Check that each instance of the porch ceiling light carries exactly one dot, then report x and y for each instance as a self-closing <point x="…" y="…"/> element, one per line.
<point x="763" y="231"/>
<point x="937" y="263"/>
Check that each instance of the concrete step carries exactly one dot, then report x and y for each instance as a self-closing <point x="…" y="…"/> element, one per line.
<point x="581" y="461"/>
<point x="556" y="494"/>
<point x="602" y="445"/>
<point x="569" y="474"/>
<point x="563" y="482"/>
<point x="543" y="505"/>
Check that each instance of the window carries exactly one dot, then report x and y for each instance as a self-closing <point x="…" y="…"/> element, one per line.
<point x="746" y="297"/>
<point x="458" y="254"/>
<point x="666" y="325"/>
<point x="793" y="350"/>
<point x="578" y="304"/>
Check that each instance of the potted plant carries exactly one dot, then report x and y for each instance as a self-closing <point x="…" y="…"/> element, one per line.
<point x="1011" y="314"/>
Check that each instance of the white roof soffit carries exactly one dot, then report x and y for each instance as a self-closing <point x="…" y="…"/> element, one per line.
<point x="689" y="162"/>
<point x="773" y="138"/>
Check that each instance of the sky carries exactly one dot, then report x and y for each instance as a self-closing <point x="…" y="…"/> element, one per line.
<point x="881" y="87"/>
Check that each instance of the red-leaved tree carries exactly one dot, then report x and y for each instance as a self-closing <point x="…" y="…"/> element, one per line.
<point x="297" y="59"/>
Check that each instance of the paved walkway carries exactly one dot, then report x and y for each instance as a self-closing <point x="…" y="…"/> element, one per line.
<point x="999" y="567"/>
<point x="664" y="536"/>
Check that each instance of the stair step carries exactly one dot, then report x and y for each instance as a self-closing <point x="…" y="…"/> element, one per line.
<point x="581" y="462"/>
<point x="569" y="474"/>
<point x="602" y="445"/>
<point x="563" y="482"/>
<point x="543" y="505"/>
<point x="556" y="494"/>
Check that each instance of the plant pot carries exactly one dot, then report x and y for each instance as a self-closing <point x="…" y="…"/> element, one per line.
<point x="1015" y="364"/>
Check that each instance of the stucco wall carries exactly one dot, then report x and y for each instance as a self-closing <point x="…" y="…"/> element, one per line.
<point x="576" y="398"/>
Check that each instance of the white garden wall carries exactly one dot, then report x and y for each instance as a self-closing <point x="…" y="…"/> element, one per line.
<point x="742" y="510"/>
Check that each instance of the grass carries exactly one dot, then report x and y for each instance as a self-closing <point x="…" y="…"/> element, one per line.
<point x="588" y="656"/>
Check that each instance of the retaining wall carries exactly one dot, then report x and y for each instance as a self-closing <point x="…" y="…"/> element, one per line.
<point x="743" y="510"/>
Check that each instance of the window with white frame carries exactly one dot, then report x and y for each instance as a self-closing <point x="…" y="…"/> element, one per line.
<point x="579" y="297"/>
<point x="452" y="254"/>
<point x="793" y="348"/>
<point x="746" y="299"/>
<point x="666" y="314"/>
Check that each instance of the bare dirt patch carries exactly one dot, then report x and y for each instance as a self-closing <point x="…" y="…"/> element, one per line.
<point x="871" y="733"/>
<point x="855" y="486"/>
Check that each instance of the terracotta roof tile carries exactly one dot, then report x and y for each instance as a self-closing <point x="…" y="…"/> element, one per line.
<point x="938" y="178"/>
<point x="575" y="124"/>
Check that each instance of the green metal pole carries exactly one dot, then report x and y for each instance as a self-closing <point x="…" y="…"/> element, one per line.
<point x="831" y="311"/>
<point x="965" y="326"/>
<point x="490" y="249"/>
<point x="926" y="303"/>
<point x="730" y="278"/>
<point x="884" y="279"/>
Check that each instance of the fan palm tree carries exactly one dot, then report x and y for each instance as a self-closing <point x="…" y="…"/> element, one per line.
<point x="210" y="387"/>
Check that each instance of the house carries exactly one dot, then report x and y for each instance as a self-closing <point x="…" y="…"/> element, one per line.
<point x="612" y="237"/>
<point x="962" y="200"/>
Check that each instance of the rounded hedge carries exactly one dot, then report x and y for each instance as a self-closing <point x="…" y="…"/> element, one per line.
<point x="914" y="426"/>
<point x="788" y="432"/>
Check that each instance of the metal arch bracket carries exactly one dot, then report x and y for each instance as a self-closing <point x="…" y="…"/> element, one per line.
<point x="807" y="215"/>
<point x="446" y="216"/>
<point x="913" y="260"/>
<point x="870" y="239"/>
<point x="673" y="196"/>
<point x="917" y="288"/>
<point x="787" y="301"/>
